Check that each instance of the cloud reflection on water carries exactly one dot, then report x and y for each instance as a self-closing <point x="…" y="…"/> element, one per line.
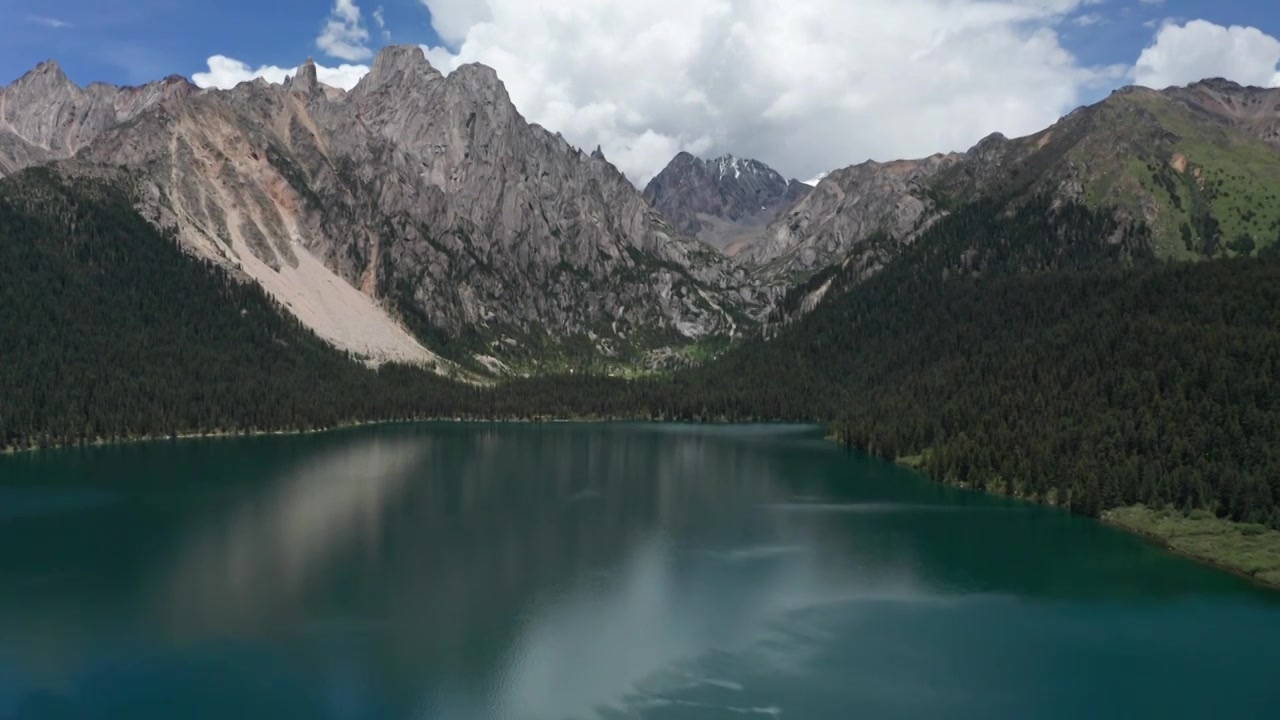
<point x="253" y="564"/>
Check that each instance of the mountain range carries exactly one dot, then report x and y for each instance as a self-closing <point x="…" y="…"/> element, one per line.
<point x="420" y="218"/>
<point x="416" y="215"/>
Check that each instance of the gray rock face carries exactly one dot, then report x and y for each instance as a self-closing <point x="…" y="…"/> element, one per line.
<point x="305" y="82"/>
<point x="847" y="207"/>
<point x="723" y="202"/>
<point x="43" y="115"/>
<point x="485" y="234"/>
<point x="16" y="153"/>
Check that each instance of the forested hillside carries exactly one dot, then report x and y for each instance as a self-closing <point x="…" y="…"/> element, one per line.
<point x="1094" y="389"/>
<point x="109" y="330"/>
<point x="1045" y="353"/>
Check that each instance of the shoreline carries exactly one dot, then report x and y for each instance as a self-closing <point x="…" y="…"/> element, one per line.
<point x="202" y="435"/>
<point x="216" y="434"/>
<point x="1190" y="537"/>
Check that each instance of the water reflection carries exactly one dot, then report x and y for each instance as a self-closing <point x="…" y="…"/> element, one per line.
<point x="250" y="567"/>
<point x="486" y="573"/>
<point x="638" y="638"/>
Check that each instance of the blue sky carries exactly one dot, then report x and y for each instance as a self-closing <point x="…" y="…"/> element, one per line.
<point x="140" y="40"/>
<point x="1128" y="27"/>
<point x="804" y="85"/>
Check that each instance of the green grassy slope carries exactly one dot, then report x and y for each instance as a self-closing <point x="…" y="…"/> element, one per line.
<point x="1205" y="186"/>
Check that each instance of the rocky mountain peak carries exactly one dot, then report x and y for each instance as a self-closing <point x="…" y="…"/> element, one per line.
<point x="398" y="66"/>
<point x="46" y="116"/>
<point x="478" y="88"/>
<point x="990" y="151"/>
<point x="48" y="69"/>
<point x="305" y="82"/>
<point x="47" y="77"/>
<point x="1218" y="84"/>
<point x="44" y="108"/>
<point x="1253" y="109"/>
<point x="479" y="76"/>
<point x="1131" y="90"/>
<point x="1141" y="154"/>
<point x="721" y="200"/>
<point x="989" y="142"/>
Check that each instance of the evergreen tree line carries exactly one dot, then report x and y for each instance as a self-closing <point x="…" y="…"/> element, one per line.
<point x="1095" y="390"/>
<point x="1031" y="348"/>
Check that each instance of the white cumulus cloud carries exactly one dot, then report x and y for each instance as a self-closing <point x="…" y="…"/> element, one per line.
<point x="1199" y="49"/>
<point x="225" y="72"/>
<point x="344" y="35"/>
<point x="805" y="86"/>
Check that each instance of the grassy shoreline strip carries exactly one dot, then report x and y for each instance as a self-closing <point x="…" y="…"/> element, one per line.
<point x="1246" y="549"/>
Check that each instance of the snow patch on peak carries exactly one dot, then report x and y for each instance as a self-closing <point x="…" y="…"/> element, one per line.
<point x="727" y="163"/>
<point x="813" y="181"/>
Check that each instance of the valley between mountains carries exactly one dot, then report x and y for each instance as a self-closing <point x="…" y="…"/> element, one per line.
<point x="1087" y="316"/>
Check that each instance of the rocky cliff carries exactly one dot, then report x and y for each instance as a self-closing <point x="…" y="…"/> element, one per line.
<point x="723" y="202"/>
<point x="847" y="207"/>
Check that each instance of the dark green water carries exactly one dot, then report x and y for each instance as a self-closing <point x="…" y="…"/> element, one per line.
<point x="576" y="571"/>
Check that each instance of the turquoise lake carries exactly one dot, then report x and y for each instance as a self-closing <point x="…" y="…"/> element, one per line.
<point x="444" y="571"/>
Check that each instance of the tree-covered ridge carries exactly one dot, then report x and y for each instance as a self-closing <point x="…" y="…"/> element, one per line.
<point x="1095" y="390"/>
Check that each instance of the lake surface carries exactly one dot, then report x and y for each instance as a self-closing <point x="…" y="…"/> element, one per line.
<point x="452" y="571"/>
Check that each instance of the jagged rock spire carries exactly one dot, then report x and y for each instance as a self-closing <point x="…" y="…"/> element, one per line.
<point x="305" y="81"/>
